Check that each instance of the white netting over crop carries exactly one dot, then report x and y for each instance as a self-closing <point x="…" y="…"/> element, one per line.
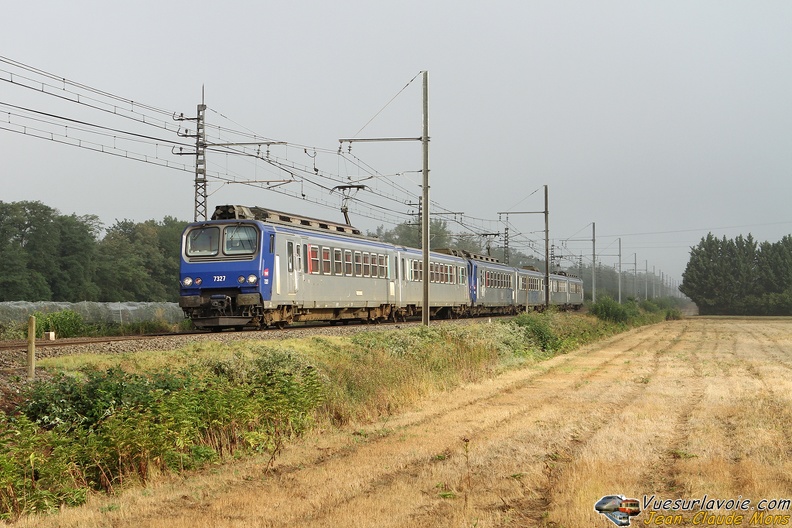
<point x="94" y="312"/>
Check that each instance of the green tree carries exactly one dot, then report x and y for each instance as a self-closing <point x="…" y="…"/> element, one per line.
<point x="14" y="282"/>
<point x="75" y="278"/>
<point x="140" y="261"/>
<point x="409" y="235"/>
<point x="739" y="276"/>
<point x="30" y="229"/>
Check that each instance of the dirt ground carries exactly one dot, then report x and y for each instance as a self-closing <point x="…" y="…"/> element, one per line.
<point x="675" y="410"/>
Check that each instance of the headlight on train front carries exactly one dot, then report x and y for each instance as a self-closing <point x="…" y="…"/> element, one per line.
<point x="252" y="279"/>
<point x="187" y="282"/>
<point x="241" y="279"/>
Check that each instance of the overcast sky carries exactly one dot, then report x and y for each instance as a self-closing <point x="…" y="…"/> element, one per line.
<point x="659" y="121"/>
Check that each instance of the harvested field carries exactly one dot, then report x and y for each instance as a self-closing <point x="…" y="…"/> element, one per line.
<point x="680" y="409"/>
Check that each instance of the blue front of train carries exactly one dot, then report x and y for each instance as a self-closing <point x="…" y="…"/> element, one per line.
<point x="225" y="273"/>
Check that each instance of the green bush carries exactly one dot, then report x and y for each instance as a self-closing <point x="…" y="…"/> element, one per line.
<point x="607" y="309"/>
<point x="537" y="329"/>
<point x="98" y="430"/>
<point x="64" y="323"/>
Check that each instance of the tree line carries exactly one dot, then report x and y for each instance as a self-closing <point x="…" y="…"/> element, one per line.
<point x="47" y="256"/>
<point x="740" y="276"/>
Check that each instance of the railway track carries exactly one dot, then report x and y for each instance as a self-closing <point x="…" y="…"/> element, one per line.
<point x="244" y="334"/>
<point x="44" y="343"/>
<point x="13" y="353"/>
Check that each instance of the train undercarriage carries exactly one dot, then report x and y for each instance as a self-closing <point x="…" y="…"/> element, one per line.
<point x="221" y="310"/>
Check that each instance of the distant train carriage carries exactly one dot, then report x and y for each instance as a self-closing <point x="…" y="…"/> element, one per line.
<point x="448" y="280"/>
<point x="530" y="289"/>
<point x="495" y="287"/>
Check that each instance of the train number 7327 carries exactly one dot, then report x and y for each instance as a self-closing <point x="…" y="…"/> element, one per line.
<point x="219" y="278"/>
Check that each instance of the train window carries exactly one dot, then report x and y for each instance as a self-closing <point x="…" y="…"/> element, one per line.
<point x="382" y="267"/>
<point x="203" y="242"/>
<point x="366" y="265"/>
<point x="358" y="264"/>
<point x="240" y="240"/>
<point x="272" y="244"/>
<point x="348" y="262"/>
<point x="299" y="258"/>
<point x="338" y="264"/>
<point x="326" y="263"/>
<point x="290" y="255"/>
<point x="305" y="260"/>
<point x="314" y="267"/>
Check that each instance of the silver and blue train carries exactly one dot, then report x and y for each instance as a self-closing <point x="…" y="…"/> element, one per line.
<point x="251" y="267"/>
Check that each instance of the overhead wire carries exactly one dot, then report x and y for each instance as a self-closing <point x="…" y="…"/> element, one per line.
<point x="109" y="103"/>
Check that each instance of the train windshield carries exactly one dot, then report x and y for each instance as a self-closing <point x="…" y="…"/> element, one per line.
<point x="233" y="241"/>
<point x="203" y="242"/>
<point x="240" y="240"/>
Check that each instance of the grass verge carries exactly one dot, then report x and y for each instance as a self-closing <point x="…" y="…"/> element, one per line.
<point x="103" y="422"/>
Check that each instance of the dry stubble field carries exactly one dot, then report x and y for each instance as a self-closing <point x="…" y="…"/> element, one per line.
<point x="676" y="410"/>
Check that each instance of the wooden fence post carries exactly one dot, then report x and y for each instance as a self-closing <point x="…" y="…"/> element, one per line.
<point x="31" y="353"/>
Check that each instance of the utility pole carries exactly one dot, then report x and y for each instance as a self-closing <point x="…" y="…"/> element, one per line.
<point x="425" y="226"/>
<point x="593" y="262"/>
<point x="425" y="219"/>
<point x="201" y="197"/>
<point x="546" y="213"/>
<point x="620" y="270"/>
<point x="646" y="281"/>
<point x="506" y="244"/>
<point x="547" y="249"/>
<point x="200" y="157"/>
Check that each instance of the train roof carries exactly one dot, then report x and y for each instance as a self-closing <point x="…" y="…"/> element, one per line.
<point x="467" y="254"/>
<point x="242" y="212"/>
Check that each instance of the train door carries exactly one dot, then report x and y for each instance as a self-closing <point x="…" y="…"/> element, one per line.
<point x="473" y="281"/>
<point x="395" y="279"/>
<point x="293" y="265"/>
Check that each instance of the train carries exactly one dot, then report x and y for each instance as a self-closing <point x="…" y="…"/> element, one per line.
<point x="250" y="267"/>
